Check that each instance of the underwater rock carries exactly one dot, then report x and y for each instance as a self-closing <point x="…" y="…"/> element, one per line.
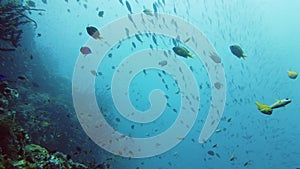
<point x="15" y="153"/>
<point x="12" y="138"/>
<point x="13" y="16"/>
<point x="35" y="153"/>
<point x="39" y="157"/>
<point x="10" y="93"/>
<point x="16" y="149"/>
<point x="7" y="96"/>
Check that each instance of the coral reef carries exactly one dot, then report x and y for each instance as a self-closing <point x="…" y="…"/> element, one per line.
<point x="12" y="16"/>
<point x="16" y="149"/>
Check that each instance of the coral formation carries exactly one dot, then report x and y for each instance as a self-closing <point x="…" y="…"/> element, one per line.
<point x="16" y="149"/>
<point x="12" y="16"/>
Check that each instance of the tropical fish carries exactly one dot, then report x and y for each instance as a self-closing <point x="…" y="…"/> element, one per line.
<point x="138" y="38"/>
<point x="148" y="12"/>
<point x="100" y="13"/>
<point x="93" y="32"/>
<point x="154" y="40"/>
<point x="22" y="77"/>
<point x="94" y="73"/>
<point x="232" y="157"/>
<point x="163" y="63"/>
<point x="85" y="50"/>
<point x="215" y="57"/>
<point x="218" y="130"/>
<point x="175" y="42"/>
<point x="182" y="51"/>
<point x="133" y="44"/>
<point x="217" y="85"/>
<point x="187" y="40"/>
<point x="292" y="74"/>
<point x="266" y="109"/>
<point x="237" y="51"/>
<point x="247" y="163"/>
<point x="154" y="7"/>
<point x="128" y="7"/>
<point x="45" y="124"/>
<point x="180" y="138"/>
<point x="210" y="152"/>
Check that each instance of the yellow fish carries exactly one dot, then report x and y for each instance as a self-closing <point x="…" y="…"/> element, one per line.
<point x="292" y="74"/>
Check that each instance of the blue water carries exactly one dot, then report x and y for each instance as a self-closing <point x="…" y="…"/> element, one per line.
<point x="268" y="32"/>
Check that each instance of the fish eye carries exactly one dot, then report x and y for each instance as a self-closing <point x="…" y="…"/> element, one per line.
<point x="287" y="99"/>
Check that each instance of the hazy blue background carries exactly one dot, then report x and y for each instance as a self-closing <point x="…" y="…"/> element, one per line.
<point x="268" y="31"/>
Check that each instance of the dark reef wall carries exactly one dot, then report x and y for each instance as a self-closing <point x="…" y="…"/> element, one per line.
<point x="15" y="148"/>
<point x="38" y="125"/>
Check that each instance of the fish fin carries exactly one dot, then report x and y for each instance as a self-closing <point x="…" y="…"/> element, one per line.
<point x="258" y="104"/>
<point x="190" y="55"/>
<point x="264" y="108"/>
<point x="100" y="38"/>
<point x="244" y="57"/>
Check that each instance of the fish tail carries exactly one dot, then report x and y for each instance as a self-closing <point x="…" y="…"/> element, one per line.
<point x="261" y="106"/>
<point x="264" y="108"/>
<point x="258" y="105"/>
<point x="244" y="57"/>
<point x="100" y="38"/>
